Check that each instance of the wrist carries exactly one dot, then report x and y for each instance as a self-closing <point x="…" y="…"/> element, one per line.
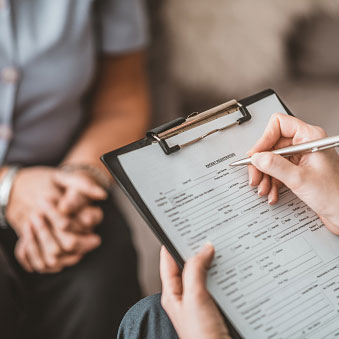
<point x="7" y="178"/>
<point x="96" y="173"/>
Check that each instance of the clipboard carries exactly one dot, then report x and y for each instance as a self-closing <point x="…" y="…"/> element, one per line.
<point x="267" y="257"/>
<point x="161" y="135"/>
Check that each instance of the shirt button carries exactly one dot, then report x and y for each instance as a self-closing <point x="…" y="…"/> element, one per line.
<point x="6" y="132"/>
<point x="10" y="74"/>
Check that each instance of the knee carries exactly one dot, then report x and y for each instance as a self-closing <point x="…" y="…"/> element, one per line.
<point x="142" y="318"/>
<point x="149" y="307"/>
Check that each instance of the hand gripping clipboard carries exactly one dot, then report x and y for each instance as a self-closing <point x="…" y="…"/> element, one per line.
<point x="162" y="136"/>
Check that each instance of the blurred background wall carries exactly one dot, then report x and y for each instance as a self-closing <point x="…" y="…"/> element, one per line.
<point x="206" y="52"/>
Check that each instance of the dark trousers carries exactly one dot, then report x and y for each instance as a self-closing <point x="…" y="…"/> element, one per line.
<point x="86" y="301"/>
<point x="147" y="320"/>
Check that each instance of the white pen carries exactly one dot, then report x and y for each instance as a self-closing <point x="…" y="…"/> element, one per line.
<point x="307" y="147"/>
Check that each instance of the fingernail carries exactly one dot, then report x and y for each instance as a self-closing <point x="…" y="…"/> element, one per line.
<point x="250" y="180"/>
<point x="208" y="247"/>
<point x="101" y="191"/>
<point x="259" y="191"/>
<point x="96" y="241"/>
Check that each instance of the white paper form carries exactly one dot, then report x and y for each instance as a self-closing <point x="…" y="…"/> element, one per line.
<point x="276" y="268"/>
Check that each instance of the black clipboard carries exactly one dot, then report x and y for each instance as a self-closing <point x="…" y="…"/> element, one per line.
<point x="112" y="163"/>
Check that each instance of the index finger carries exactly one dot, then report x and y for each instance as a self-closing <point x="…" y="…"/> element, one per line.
<point x="280" y="125"/>
<point x="83" y="184"/>
<point x="72" y="201"/>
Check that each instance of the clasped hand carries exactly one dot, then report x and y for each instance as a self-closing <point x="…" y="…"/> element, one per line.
<point x="52" y="213"/>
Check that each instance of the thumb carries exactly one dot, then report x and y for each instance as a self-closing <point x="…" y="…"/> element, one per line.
<point x="277" y="167"/>
<point x="195" y="271"/>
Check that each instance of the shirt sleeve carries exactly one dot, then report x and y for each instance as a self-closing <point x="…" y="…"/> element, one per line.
<point x="123" y="25"/>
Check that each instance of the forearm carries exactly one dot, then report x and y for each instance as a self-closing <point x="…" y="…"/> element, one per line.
<point x="106" y="134"/>
<point x="120" y="111"/>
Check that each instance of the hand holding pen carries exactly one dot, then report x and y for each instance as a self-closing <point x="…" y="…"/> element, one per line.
<point x="313" y="177"/>
<point x="307" y="147"/>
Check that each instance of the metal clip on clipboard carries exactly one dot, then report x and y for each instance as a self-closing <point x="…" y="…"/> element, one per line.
<point x="177" y="126"/>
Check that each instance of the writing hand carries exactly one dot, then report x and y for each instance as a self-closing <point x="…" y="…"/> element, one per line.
<point x="313" y="177"/>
